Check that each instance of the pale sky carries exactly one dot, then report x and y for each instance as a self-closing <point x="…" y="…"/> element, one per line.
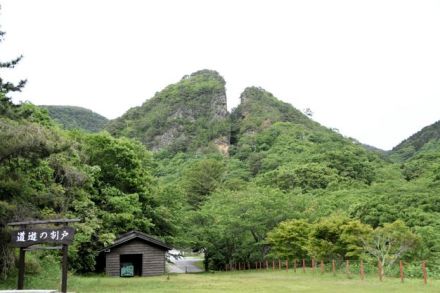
<point x="368" y="68"/>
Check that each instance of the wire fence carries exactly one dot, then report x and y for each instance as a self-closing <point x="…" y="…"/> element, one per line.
<point x="351" y="268"/>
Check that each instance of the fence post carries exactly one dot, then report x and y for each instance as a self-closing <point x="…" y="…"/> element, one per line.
<point x="304" y="265"/>
<point x="294" y="265"/>
<point x="362" y="270"/>
<point x="267" y="265"/>
<point x="322" y="266"/>
<point x="313" y="265"/>
<point x="425" y="274"/>
<point x="347" y="267"/>
<point x="279" y="264"/>
<point x="333" y="267"/>
<point x="379" y="267"/>
<point x="401" y="271"/>
<point x="287" y="265"/>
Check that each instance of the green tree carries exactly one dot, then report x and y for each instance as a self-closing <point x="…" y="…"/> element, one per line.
<point x="352" y="164"/>
<point x="201" y="179"/>
<point x="390" y="243"/>
<point x="337" y="237"/>
<point x="231" y="226"/>
<point x="289" y="239"/>
<point x="28" y="140"/>
<point x="124" y="163"/>
<point x="305" y="177"/>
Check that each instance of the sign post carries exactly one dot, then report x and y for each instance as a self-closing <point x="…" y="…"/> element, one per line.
<point x="20" y="283"/>
<point x="27" y="236"/>
<point x="64" y="270"/>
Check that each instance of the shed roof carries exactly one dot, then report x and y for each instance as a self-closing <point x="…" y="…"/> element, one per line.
<point x="137" y="235"/>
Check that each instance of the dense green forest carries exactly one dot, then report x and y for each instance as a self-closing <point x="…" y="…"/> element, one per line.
<point x="264" y="181"/>
<point x="425" y="140"/>
<point x="71" y="117"/>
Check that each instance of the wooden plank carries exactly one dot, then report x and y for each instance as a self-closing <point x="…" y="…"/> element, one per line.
<point x="27" y="237"/>
<point x="153" y="263"/>
<point x="37" y="247"/>
<point x="112" y="264"/>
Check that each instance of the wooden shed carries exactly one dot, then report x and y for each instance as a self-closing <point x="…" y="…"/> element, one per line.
<point x="135" y="253"/>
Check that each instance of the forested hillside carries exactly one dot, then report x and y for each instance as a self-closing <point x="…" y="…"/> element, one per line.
<point x="427" y="139"/>
<point x="46" y="173"/>
<point x="190" y="115"/>
<point x="264" y="181"/>
<point x="71" y="117"/>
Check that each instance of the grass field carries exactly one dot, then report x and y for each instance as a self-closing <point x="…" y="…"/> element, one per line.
<point x="278" y="281"/>
<point x="250" y="282"/>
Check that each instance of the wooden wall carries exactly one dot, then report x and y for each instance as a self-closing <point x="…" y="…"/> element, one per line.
<point x="153" y="258"/>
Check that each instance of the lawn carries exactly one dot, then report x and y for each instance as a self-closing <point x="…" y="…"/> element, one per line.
<point x="278" y="281"/>
<point x="250" y="282"/>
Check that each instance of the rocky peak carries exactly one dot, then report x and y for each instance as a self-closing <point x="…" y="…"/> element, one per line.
<point x="186" y="116"/>
<point x="258" y="110"/>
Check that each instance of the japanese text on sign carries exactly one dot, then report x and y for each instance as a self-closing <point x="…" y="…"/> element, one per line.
<point x="27" y="237"/>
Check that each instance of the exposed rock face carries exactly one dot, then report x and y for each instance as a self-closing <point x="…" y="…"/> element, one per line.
<point x="166" y="139"/>
<point x="191" y="115"/>
<point x="219" y="109"/>
<point x="186" y="116"/>
<point x="222" y="144"/>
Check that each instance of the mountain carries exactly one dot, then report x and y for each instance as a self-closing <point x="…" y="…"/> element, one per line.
<point x="72" y="117"/>
<point x="419" y="155"/>
<point x="281" y="145"/>
<point x="258" y="109"/>
<point x="190" y="115"/>
<point x="263" y="133"/>
<point x="280" y="166"/>
<point x="427" y="139"/>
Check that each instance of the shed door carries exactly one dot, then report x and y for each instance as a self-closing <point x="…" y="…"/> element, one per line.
<point x="130" y="265"/>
